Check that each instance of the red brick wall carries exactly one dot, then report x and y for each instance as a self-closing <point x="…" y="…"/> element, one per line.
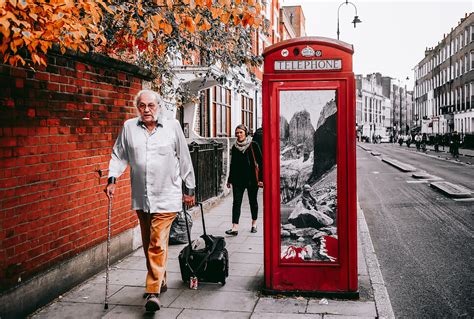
<point x="57" y="128"/>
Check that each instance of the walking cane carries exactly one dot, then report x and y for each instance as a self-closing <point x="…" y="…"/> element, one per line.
<point x="109" y="213"/>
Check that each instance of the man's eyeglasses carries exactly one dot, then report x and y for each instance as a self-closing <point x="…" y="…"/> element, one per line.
<point x="142" y="107"/>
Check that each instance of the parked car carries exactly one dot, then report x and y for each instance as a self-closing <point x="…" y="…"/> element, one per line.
<point x="385" y="139"/>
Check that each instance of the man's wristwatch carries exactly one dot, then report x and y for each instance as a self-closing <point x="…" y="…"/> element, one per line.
<point x="111" y="180"/>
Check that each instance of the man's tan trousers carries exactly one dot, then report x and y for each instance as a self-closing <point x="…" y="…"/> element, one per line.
<point x="155" y="230"/>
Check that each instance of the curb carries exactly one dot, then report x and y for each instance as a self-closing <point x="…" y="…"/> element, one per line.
<point x="382" y="299"/>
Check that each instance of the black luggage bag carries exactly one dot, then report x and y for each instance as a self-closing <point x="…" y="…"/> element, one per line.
<point x="210" y="264"/>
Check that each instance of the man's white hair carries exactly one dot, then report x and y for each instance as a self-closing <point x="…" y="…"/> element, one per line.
<point x="158" y="99"/>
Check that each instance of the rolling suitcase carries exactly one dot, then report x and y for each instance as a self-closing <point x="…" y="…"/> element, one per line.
<point x="208" y="264"/>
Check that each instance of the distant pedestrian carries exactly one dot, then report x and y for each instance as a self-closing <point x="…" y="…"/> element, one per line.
<point x="258" y="138"/>
<point x="246" y="160"/>
<point x="437" y="141"/>
<point x="456" y="141"/>
<point x="159" y="159"/>
<point x="418" y="141"/>
<point x="424" y="141"/>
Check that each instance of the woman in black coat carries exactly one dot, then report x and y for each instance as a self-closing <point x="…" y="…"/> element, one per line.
<point x="245" y="173"/>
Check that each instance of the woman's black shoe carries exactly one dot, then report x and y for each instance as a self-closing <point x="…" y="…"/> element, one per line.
<point x="232" y="232"/>
<point x="253" y="229"/>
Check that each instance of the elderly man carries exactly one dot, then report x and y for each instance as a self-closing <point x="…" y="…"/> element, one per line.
<point x="159" y="160"/>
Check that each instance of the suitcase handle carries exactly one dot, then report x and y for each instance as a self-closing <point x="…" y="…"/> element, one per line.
<point x="214" y="244"/>
<point x="187" y="225"/>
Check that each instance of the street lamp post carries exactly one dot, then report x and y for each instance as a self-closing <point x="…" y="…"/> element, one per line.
<point x="356" y="17"/>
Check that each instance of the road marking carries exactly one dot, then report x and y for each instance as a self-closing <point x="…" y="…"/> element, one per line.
<point x="375" y="172"/>
<point x="417" y="182"/>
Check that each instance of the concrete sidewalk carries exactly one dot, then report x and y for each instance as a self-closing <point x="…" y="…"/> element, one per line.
<point x="239" y="298"/>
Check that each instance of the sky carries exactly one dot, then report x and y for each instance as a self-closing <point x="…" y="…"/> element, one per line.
<point x="393" y="35"/>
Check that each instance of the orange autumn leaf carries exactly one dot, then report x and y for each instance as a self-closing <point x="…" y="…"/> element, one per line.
<point x="205" y="26"/>
<point x="189" y="24"/>
<point x="199" y="3"/>
<point x="216" y="12"/>
<point x="156" y="19"/>
<point x="247" y="20"/>
<point x="236" y="20"/>
<point x="197" y="18"/>
<point x="225" y="17"/>
<point x="133" y="25"/>
<point x="37" y="25"/>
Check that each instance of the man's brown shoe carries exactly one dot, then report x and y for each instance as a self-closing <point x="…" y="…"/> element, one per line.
<point x="152" y="303"/>
<point x="164" y="288"/>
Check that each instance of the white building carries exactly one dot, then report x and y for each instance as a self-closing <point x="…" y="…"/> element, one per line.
<point x="444" y="87"/>
<point x="371" y="107"/>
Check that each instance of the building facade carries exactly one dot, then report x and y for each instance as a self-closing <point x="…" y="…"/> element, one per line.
<point x="218" y="109"/>
<point x="384" y="107"/>
<point x="444" y="87"/>
<point x="371" y="107"/>
<point x="401" y="99"/>
<point x="292" y="22"/>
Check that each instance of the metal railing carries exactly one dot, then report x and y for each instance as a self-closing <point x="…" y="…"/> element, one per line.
<point x="207" y="162"/>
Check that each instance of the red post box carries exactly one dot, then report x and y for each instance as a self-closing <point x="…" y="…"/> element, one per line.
<point x="309" y="167"/>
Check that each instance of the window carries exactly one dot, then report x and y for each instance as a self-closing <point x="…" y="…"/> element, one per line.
<point x="471" y="93"/>
<point x="370" y="110"/>
<point x="204" y="114"/>
<point x="221" y="108"/>
<point x="472" y="61"/>
<point x="466" y="63"/>
<point x="365" y="109"/>
<point x="247" y="112"/>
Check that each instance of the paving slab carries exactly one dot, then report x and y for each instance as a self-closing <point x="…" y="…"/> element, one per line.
<point x="284" y="316"/>
<point x="174" y="280"/>
<point x="216" y="300"/>
<point x="343" y="307"/>
<point x="236" y="283"/>
<point x="347" y="317"/>
<point x="132" y="262"/>
<point x="280" y="305"/>
<point x="245" y="248"/>
<point x="72" y="310"/>
<point x="129" y="277"/>
<point x="242" y="269"/>
<point x="90" y="293"/>
<point x="206" y="314"/>
<point x="134" y="312"/>
<point x="133" y="296"/>
<point x="254" y="258"/>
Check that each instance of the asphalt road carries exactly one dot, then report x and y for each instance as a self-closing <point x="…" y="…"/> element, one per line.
<point x="423" y="239"/>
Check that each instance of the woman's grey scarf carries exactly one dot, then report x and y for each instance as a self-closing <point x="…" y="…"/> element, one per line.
<point x="242" y="146"/>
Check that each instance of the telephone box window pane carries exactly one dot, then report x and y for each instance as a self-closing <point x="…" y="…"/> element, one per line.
<point x="308" y="176"/>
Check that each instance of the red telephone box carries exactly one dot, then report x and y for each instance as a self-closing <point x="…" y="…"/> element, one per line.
<point x="309" y="159"/>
